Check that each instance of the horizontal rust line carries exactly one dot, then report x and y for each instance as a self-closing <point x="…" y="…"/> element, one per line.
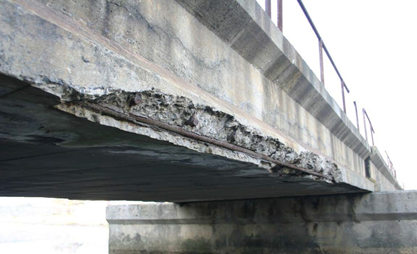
<point x="135" y="119"/>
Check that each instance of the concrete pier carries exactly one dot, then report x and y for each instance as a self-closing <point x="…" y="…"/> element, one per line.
<point x="383" y="222"/>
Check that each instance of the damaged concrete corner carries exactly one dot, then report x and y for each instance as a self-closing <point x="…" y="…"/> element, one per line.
<point x="202" y="128"/>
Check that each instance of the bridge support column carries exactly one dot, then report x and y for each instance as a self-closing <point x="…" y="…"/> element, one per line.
<point x="384" y="222"/>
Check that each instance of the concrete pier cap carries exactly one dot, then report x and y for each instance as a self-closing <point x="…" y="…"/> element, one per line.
<point x="381" y="222"/>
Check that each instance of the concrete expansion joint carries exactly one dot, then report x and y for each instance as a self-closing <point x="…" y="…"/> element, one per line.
<point x="179" y="115"/>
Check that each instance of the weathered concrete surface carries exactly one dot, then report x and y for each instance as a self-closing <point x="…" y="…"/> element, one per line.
<point x="383" y="222"/>
<point x="93" y="58"/>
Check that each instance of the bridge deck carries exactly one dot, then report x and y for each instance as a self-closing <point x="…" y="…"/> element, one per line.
<point x="167" y="101"/>
<point x="49" y="153"/>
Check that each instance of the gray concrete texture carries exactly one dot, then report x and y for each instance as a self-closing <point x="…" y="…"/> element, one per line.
<point x="383" y="222"/>
<point x="82" y="57"/>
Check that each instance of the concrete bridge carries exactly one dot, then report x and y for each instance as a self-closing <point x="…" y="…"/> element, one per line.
<point x="176" y="101"/>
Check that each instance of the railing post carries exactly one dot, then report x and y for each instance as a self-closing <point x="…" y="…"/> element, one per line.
<point x="370" y="126"/>
<point x="279" y="15"/>
<point x="322" y="47"/>
<point x="321" y="61"/>
<point x="364" y="124"/>
<point x="372" y="135"/>
<point x="357" y="118"/>
<point x="343" y="96"/>
<point x="268" y="7"/>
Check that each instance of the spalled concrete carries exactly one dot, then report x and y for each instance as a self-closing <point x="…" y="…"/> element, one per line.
<point x="181" y="113"/>
<point x="384" y="222"/>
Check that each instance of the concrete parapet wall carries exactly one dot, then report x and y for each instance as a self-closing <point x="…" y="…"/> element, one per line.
<point x="384" y="222"/>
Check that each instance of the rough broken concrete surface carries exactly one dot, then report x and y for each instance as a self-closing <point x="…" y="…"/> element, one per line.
<point x="178" y="110"/>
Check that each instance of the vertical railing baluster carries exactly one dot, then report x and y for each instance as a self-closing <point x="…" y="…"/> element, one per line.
<point x="371" y="128"/>
<point x="357" y="117"/>
<point x="268" y="7"/>
<point x="279" y="15"/>
<point x="372" y="135"/>
<point x="321" y="61"/>
<point x="343" y="96"/>
<point x="364" y="124"/>
<point x="322" y="47"/>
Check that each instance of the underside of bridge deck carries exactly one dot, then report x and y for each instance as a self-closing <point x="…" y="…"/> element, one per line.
<point x="166" y="101"/>
<point x="46" y="152"/>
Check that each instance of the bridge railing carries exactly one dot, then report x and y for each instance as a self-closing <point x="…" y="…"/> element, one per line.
<point x="344" y="89"/>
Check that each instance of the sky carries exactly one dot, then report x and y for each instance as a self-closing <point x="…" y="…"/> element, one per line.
<point x="374" y="46"/>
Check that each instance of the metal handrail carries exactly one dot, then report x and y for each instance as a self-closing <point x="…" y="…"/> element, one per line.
<point x="357" y="118"/>
<point x="279" y="12"/>
<point x="322" y="46"/>
<point x="320" y="39"/>
<point x="370" y="124"/>
<point x="391" y="166"/>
